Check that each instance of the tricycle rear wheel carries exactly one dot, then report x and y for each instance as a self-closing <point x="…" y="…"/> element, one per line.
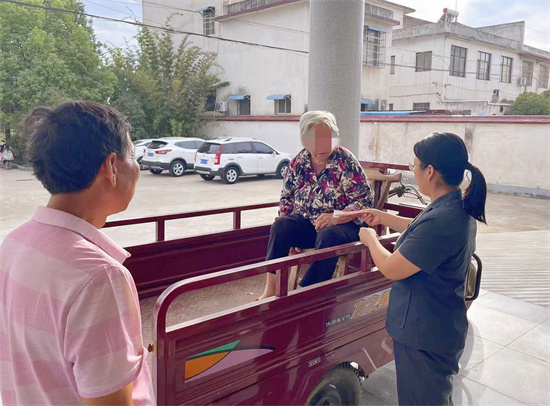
<point x="340" y="386"/>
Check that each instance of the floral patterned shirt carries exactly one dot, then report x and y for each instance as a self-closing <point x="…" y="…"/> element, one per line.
<point x="341" y="185"/>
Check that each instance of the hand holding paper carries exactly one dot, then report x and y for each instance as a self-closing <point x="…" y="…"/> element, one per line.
<point x="372" y="217"/>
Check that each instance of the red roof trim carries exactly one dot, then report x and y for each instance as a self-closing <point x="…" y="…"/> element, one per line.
<point x="413" y="119"/>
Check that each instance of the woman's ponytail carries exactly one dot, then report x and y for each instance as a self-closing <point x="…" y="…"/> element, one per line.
<point x="476" y="194"/>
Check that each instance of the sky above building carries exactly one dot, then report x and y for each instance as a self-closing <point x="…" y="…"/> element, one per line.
<point x="474" y="13"/>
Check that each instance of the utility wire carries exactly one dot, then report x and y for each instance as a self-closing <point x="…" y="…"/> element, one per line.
<point x="138" y="24"/>
<point x="194" y="11"/>
<point x="177" y="31"/>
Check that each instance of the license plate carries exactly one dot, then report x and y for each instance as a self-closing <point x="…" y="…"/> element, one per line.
<point x="150" y="154"/>
<point x="204" y="161"/>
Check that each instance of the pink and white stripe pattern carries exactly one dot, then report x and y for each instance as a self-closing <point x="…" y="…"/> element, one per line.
<point x="70" y="324"/>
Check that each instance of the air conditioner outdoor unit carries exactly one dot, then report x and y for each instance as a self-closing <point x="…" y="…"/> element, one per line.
<point x="522" y="81"/>
<point x="382" y="105"/>
<point x="221" y="107"/>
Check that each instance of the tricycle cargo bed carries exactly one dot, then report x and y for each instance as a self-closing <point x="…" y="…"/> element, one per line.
<point x="300" y="334"/>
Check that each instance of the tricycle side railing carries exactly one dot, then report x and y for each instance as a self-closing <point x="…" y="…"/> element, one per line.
<point x="165" y="368"/>
<point x="160" y="221"/>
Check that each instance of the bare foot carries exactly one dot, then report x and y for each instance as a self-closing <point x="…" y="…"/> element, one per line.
<point x="270" y="286"/>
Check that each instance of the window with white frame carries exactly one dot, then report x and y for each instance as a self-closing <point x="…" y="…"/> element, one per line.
<point x="208" y="18"/>
<point x="458" y="61"/>
<point x="283" y="106"/>
<point x="423" y="61"/>
<point x="506" y="70"/>
<point x="374" y="47"/>
<point x="527" y="72"/>
<point x="543" y="76"/>
<point x="484" y="66"/>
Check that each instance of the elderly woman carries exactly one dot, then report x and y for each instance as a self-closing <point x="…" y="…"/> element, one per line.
<point x="70" y="325"/>
<point x="321" y="178"/>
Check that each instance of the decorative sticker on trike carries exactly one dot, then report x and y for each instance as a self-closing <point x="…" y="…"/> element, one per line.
<point x="363" y="307"/>
<point x="220" y="358"/>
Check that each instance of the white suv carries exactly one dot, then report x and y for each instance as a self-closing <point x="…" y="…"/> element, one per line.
<point x="139" y="150"/>
<point x="177" y="154"/>
<point x="231" y="158"/>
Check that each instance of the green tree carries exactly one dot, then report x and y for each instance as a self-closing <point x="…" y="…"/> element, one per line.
<point x="163" y="88"/>
<point x="530" y="103"/>
<point x="46" y="57"/>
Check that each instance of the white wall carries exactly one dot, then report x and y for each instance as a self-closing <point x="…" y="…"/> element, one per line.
<point x="261" y="72"/>
<point x="470" y="87"/>
<point x="407" y="85"/>
<point x="156" y="12"/>
<point x="513" y="157"/>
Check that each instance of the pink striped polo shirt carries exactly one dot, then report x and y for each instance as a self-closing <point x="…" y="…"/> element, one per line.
<point x="70" y="323"/>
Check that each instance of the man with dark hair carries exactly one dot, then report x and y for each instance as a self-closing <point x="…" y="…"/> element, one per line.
<point x="70" y="325"/>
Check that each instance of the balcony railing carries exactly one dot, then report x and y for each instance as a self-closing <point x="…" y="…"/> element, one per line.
<point x="249" y="5"/>
<point x="372" y="10"/>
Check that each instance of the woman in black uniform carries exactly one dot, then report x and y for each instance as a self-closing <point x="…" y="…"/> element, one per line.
<point x="427" y="313"/>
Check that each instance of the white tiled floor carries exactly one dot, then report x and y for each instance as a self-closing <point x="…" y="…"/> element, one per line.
<point x="506" y="359"/>
<point x="515" y="307"/>
<point x="497" y="326"/>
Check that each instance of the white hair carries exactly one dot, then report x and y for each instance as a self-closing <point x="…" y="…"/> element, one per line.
<point x="311" y="118"/>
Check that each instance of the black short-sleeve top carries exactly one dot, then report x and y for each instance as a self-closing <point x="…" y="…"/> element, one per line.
<point x="427" y="310"/>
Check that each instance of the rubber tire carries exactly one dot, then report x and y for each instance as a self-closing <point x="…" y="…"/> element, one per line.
<point x="207" y="177"/>
<point x="281" y="170"/>
<point x="155" y="171"/>
<point x="230" y="175"/>
<point x="340" y="386"/>
<point x="176" y="167"/>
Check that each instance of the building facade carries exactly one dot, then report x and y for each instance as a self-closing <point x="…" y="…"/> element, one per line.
<point x="464" y="70"/>
<point x="262" y="48"/>
<point x="408" y="63"/>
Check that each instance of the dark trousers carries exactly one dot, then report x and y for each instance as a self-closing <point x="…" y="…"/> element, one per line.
<point x="424" y="377"/>
<point x="296" y="231"/>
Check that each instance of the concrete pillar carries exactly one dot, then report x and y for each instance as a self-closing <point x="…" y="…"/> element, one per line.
<point x="335" y="61"/>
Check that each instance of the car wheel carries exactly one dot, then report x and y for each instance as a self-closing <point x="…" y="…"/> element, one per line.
<point x="177" y="168"/>
<point x="207" y="177"/>
<point x="230" y="175"/>
<point x="281" y="170"/>
<point x="155" y="171"/>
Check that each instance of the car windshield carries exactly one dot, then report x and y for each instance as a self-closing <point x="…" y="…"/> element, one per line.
<point x="208" y="148"/>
